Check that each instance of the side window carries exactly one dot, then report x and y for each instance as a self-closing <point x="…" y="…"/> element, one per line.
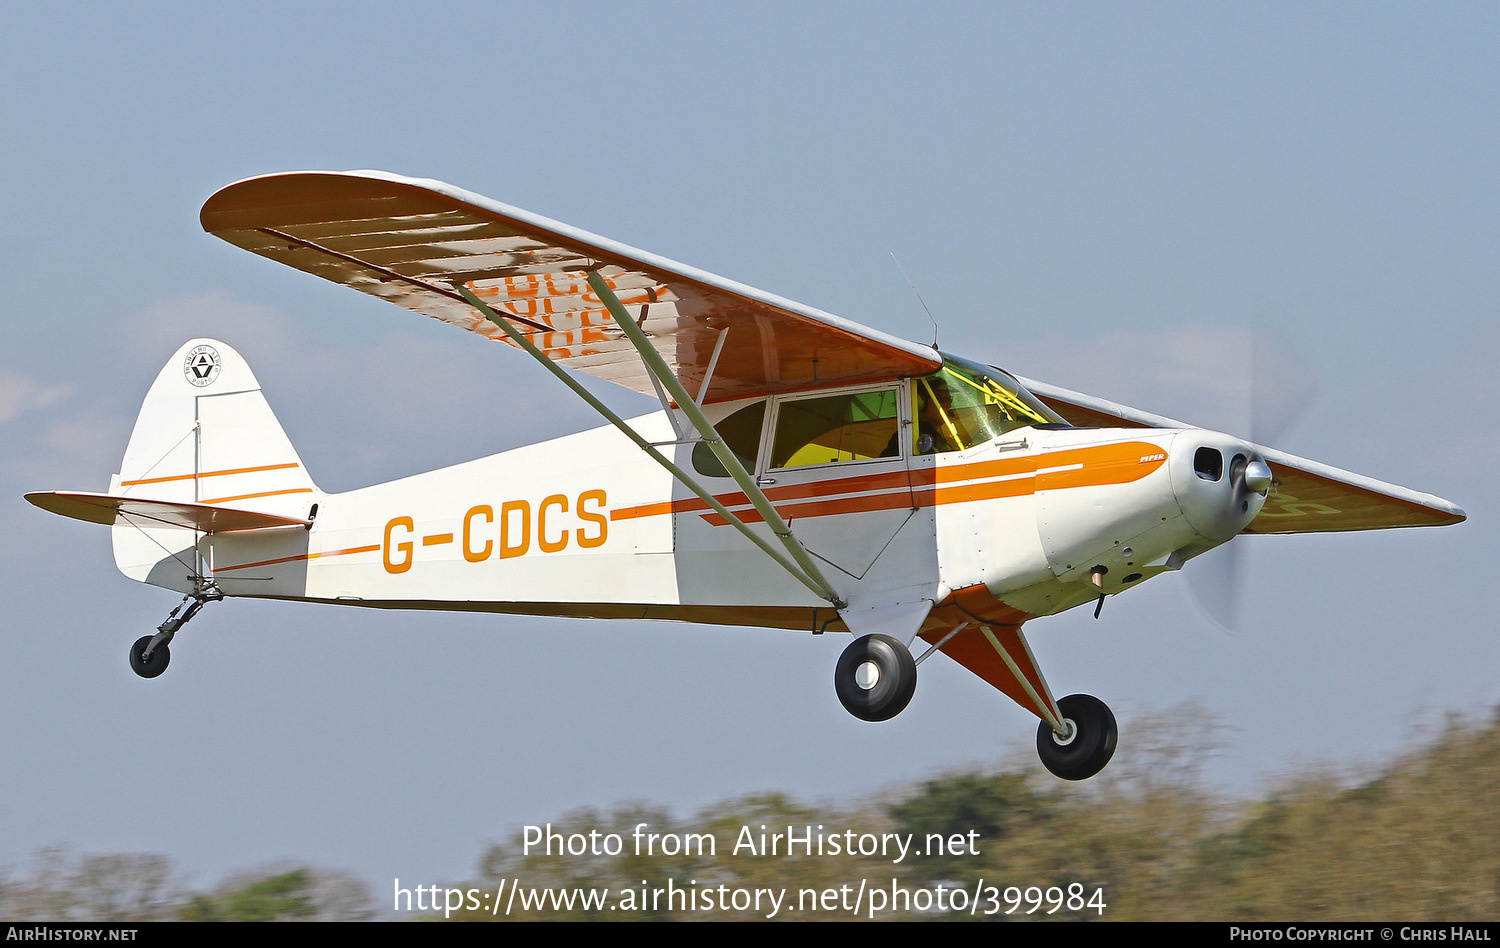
<point x="854" y="426"/>
<point x="741" y="434"/>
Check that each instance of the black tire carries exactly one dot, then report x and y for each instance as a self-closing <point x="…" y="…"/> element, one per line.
<point x="895" y="681"/>
<point x="1092" y="744"/>
<point x="157" y="663"/>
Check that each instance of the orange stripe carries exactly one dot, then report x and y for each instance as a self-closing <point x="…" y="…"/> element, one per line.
<point x="188" y="477"/>
<point x="644" y="510"/>
<point x="353" y="549"/>
<point x="264" y="493"/>
<point x="300" y="556"/>
<point x="1078" y="467"/>
<point x="989" y="490"/>
<point x="842" y="485"/>
<point x="1104" y="464"/>
<point x="985" y="469"/>
<point x="928" y="497"/>
<point x="824" y="508"/>
<point x="284" y="559"/>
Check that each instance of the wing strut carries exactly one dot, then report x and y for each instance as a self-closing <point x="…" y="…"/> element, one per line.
<point x="806" y="572"/>
<point x="658" y="367"/>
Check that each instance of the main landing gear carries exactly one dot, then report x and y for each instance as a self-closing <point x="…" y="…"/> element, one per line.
<point x="149" y="655"/>
<point x="875" y="678"/>
<point x="1086" y="743"/>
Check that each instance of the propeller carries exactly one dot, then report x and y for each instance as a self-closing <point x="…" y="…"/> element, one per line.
<point x="1274" y="387"/>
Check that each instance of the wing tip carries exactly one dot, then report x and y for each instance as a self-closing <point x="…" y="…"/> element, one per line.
<point x="225" y="208"/>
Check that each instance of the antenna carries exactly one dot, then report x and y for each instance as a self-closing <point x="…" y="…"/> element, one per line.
<point x="919" y="299"/>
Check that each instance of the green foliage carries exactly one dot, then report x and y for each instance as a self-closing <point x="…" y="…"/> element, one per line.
<point x="996" y="807"/>
<point x="1419" y="840"/>
<point x="279" y="898"/>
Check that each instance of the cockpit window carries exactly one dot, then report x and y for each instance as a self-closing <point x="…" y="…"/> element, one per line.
<point x="965" y="403"/>
<point x="826" y="429"/>
<point x="961" y="405"/>
<point x="741" y="434"/>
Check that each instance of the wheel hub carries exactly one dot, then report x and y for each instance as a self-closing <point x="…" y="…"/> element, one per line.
<point x="867" y="675"/>
<point x="1068" y="734"/>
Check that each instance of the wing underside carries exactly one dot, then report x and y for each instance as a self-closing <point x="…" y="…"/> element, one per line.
<point x="414" y="241"/>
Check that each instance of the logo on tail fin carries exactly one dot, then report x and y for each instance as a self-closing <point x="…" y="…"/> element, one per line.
<point x="201" y="366"/>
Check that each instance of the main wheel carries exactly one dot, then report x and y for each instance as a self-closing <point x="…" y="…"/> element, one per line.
<point x="155" y="665"/>
<point x="1088" y="747"/>
<point x="875" y="678"/>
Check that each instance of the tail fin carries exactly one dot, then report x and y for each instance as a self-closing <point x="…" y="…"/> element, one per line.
<point x="205" y="435"/>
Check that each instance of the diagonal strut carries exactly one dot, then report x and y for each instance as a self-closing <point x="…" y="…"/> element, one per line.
<point x="809" y="578"/>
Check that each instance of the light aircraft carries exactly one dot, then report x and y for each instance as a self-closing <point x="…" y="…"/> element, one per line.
<point x="804" y="472"/>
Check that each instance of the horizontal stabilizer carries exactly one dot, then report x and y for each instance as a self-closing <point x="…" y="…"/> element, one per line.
<point x="108" y="509"/>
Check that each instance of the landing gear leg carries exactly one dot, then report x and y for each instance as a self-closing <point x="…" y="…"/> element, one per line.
<point x="149" y="655"/>
<point x="1085" y="744"/>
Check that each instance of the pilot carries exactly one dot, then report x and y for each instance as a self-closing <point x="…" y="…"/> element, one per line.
<point x="936" y="426"/>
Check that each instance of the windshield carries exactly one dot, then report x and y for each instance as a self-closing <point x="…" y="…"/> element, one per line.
<point x="965" y="403"/>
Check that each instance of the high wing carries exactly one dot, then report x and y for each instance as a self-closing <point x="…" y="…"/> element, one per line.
<point x="1307" y="497"/>
<point x="413" y="241"/>
<point x="420" y="243"/>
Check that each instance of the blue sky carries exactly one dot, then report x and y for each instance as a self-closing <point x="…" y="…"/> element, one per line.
<point x="1114" y="198"/>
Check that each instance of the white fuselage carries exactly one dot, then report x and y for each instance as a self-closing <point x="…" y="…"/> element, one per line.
<point x="588" y="525"/>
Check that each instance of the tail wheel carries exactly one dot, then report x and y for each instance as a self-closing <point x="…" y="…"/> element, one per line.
<point x="875" y="678"/>
<point x="148" y="667"/>
<point x="1087" y="745"/>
